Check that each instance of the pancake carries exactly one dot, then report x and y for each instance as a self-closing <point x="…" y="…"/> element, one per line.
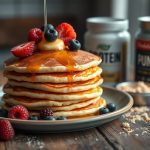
<point x="33" y="103"/>
<point x="60" y="88"/>
<point x="91" y="109"/>
<point x="41" y="104"/>
<point x="56" y="77"/>
<point x="20" y="91"/>
<point x="53" y="61"/>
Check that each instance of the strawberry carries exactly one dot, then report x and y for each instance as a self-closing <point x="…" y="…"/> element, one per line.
<point x="6" y="130"/>
<point x="66" y="32"/>
<point x="24" y="49"/>
<point x="18" y="112"/>
<point x="35" y="34"/>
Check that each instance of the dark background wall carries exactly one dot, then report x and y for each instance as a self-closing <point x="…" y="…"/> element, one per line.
<point x="18" y="16"/>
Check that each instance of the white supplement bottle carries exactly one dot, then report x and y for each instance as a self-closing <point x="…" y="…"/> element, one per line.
<point x="109" y="38"/>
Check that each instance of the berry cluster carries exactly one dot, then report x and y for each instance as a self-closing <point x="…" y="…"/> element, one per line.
<point x="20" y="112"/>
<point x="64" y="31"/>
<point x="46" y="114"/>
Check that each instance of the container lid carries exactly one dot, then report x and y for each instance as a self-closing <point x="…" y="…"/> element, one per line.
<point x="144" y="22"/>
<point x="101" y="24"/>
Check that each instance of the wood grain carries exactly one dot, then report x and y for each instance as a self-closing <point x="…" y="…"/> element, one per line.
<point x="83" y="140"/>
<point x="123" y="141"/>
<point x="2" y="145"/>
<point x="106" y="137"/>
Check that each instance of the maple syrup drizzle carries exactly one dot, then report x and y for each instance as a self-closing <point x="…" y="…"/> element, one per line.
<point x="45" y="14"/>
<point x="89" y="82"/>
<point x="64" y="57"/>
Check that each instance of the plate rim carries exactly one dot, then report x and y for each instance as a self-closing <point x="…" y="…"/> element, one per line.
<point x="78" y="120"/>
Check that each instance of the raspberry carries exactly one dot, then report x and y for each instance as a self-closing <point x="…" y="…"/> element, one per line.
<point x="18" y="112"/>
<point x="66" y="32"/>
<point x="24" y="49"/>
<point x="6" y="130"/>
<point x="46" y="112"/>
<point x="35" y="34"/>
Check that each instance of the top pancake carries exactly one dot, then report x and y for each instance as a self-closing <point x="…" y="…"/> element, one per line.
<point x="53" y="61"/>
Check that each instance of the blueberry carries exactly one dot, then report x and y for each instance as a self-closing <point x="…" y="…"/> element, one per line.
<point x="33" y="117"/>
<point x="111" y="107"/>
<point x="49" y="26"/>
<point x="48" y="118"/>
<point x="61" y="118"/>
<point x="51" y="35"/>
<point x="3" y="113"/>
<point x="74" y="45"/>
<point x="104" y="110"/>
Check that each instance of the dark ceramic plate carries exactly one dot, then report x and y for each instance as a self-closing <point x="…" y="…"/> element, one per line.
<point x="122" y="100"/>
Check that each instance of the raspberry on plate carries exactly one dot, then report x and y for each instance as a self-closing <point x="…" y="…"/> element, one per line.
<point x="35" y="34"/>
<point x="24" y="49"/>
<point x="66" y="32"/>
<point x="6" y="130"/>
<point x="18" y="112"/>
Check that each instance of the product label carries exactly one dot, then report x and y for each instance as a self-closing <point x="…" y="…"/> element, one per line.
<point x="112" y="60"/>
<point x="142" y="69"/>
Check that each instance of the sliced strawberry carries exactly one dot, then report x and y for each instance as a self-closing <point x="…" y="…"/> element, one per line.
<point x="24" y="49"/>
<point x="66" y="32"/>
<point x="35" y="34"/>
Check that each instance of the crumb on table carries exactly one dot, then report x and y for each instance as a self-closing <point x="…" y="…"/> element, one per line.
<point x="131" y="121"/>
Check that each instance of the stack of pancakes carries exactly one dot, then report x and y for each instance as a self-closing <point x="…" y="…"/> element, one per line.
<point x="65" y="81"/>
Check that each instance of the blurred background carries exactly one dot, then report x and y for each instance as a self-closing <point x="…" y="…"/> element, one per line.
<point x="18" y="16"/>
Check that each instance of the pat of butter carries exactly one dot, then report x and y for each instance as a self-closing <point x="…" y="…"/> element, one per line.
<point x="58" y="44"/>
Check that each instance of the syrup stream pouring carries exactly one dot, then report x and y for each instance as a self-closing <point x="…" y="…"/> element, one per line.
<point x="45" y="14"/>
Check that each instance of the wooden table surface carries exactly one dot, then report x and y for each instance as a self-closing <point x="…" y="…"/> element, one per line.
<point x="106" y="137"/>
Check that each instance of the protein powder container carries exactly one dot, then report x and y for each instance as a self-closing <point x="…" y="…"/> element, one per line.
<point x="109" y="38"/>
<point x="142" y="47"/>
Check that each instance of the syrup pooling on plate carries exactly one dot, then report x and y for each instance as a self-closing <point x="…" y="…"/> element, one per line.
<point x="41" y="58"/>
